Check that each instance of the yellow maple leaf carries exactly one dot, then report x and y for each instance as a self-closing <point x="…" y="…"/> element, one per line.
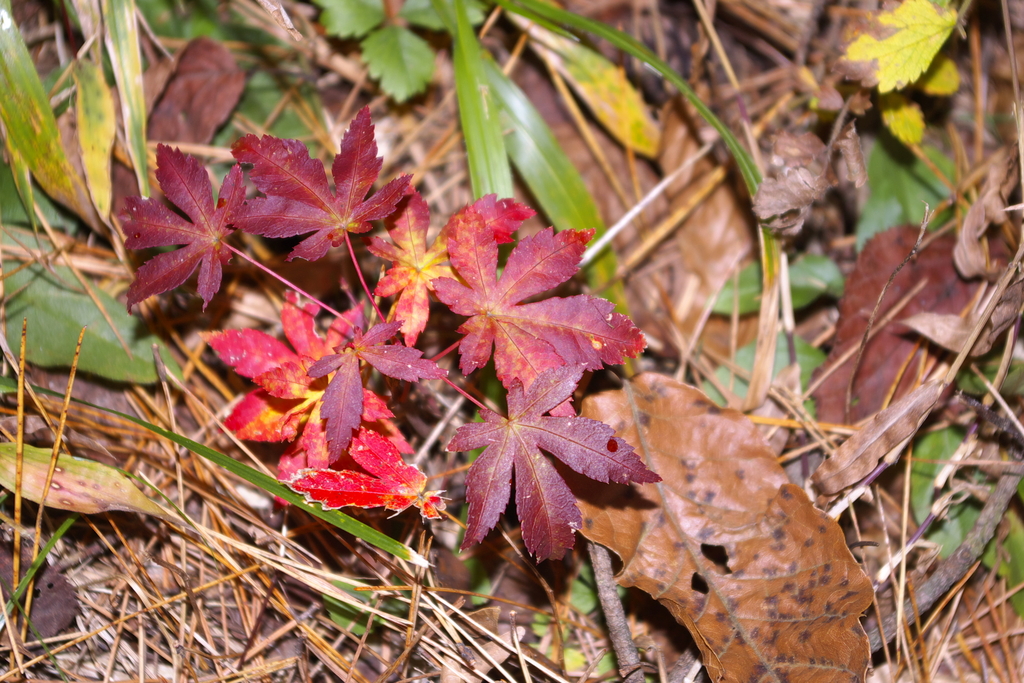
<point x="902" y="117"/>
<point x="911" y="35"/>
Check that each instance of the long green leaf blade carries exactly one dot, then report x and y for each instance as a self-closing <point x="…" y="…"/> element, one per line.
<point x="122" y="38"/>
<point x="489" y="170"/>
<point x="31" y="129"/>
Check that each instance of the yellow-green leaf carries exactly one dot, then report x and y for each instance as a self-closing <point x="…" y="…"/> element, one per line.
<point x="941" y="79"/>
<point x="602" y="85"/>
<point x="32" y="136"/>
<point x="78" y="484"/>
<point x="122" y="38"/>
<point x="905" y="42"/>
<point x="96" y="130"/>
<point x="902" y="117"/>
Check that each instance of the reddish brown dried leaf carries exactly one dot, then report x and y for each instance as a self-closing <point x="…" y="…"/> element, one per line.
<point x="886" y="355"/>
<point x="762" y="579"/>
<point x="200" y="96"/>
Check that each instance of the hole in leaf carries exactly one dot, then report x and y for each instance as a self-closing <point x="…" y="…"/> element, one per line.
<point x="698" y="584"/>
<point x="718" y="555"/>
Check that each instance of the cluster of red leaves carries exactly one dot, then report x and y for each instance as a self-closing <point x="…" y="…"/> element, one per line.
<point x="313" y="393"/>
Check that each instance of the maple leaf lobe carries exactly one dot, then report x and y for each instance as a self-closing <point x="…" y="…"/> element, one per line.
<point x="148" y="223"/>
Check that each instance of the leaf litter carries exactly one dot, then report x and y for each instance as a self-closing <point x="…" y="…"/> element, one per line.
<point x="674" y="271"/>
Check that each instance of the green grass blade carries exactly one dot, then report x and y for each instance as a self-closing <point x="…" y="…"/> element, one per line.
<point x="32" y="136"/>
<point x="489" y="170"/>
<point x="257" y="478"/>
<point x="97" y="127"/>
<point x="628" y="44"/>
<point x="551" y="177"/>
<point x="122" y="38"/>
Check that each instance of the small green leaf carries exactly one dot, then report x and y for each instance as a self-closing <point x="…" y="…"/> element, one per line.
<point x="810" y="276"/>
<point x="1012" y="550"/>
<point x="930" y="451"/>
<point x="900" y="185"/>
<point x="57" y="309"/>
<point x="78" y="485"/>
<point x="351" y="18"/>
<point x="807" y="357"/>
<point x="401" y="60"/>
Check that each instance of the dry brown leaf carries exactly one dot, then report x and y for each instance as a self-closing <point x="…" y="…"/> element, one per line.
<point x="951" y="331"/>
<point x="799" y="177"/>
<point x="200" y="96"/>
<point x="848" y="143"/>
<point x="968" y="255"/>
<point x="886" y="432"/>
<point x="704" y="252"/>
<point x="762" y="579"/>
<point x="887" y="355"/>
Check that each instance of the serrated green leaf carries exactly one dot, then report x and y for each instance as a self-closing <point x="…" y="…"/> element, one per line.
<point x="257" y="478"/>
<point x="78" y="485"/>
<point x="401" y="60"/>
<point x="96" y="130"/>
<point x="900" y="185"/>
<point x="122" y="40"/>
<point x="351" y="18"/>
<point x="57" y="309"/>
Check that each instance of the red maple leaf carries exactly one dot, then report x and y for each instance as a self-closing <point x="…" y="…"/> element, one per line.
<point x="546" y="506"/>
<point x="394" y="485"/>
<point x="287" y="404"/>
<point x="415" y="265"/>
<point x="343" y="399"/>
<point x="502" y="216"/>
<point x="533" y="337"/>
<point x="148" y="223"/>
<point x="298" y="199"/>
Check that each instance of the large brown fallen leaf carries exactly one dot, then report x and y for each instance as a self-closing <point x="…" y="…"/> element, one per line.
<point x="888" y="353"/>
<point x="763" y="580"/>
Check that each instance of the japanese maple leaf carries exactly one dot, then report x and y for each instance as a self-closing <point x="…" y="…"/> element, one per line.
<point x="532" y="337"/>
<point x="298" y="199"/>
<point x="148" y="223"/>
<point x="502" y="216"/>
<point x="544" y="502"/>
<point x="343" y="399"/>
<point x="415" y="265"/>
<point x="393" y="485"/>
<point x="287" y="404"/>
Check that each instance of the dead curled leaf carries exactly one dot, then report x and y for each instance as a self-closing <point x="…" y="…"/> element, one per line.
<point x="952" y="331"/>
<point x="886" y="433"/>
<point x="802" y="175"/>
<point x="968" y="255"/>
<point x="764" y="581"/>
